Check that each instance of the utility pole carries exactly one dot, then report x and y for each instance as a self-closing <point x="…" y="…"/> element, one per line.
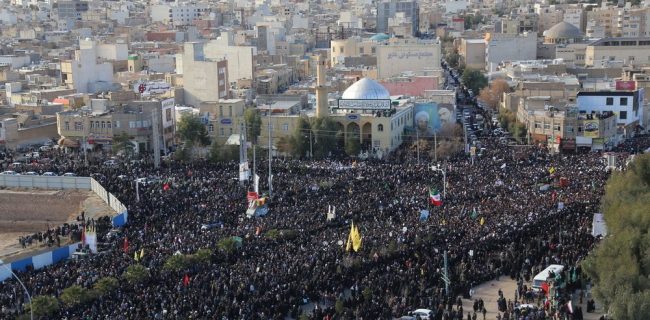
<point x="270" y="152"/>
<point x="417" y="141"/>
<point x="435" y="146"/>
<point x="155" y="137"/>
<point x="243" y="161"/>
<point x="311" y="149"/>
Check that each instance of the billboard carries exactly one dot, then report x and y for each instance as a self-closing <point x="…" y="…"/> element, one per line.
<point x="148" y="87"/>
<point x="429" y="117"/>
<point x="625" y="85"/>
<point x="361" y="104"/>
<point x="591" y="128"/>
<point x="167" y="112"/>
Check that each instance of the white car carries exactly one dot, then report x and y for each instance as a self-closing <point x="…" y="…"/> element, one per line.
<point x="9" y="173"/>
<point x="45" y="148"/>
<point x="422" y="313"/>
<point x="110" y="163"/>
<point x="30" y="173"/>
<point x="69" y="174"/>
<point x="49" y="174"/>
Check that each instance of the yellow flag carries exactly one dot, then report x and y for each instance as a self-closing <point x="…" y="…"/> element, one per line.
<point x="482" y="220"/>
<point x="551" y="170"/>
<point x="348" y="246"/>
<point x="135" y="256"/>
<point x="141" y="253"/>
<point x="356" y="239"/>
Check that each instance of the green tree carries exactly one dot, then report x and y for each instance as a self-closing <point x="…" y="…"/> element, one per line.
<point x="122" y="144"/>
<point x="75" y="295"/>
<point x="178" y="262"/>
<point x="253" y="124"/>
<point x="136" y="274"/>
<point x="352" y="145"/>
<point x="203" y="256"/>
<point x="229" y="245"/>
<point x="44" y="306"/>
<point x="105" y="285"/>
<point x="620" y="265"/>
<point x="474" y="80"/>
<point x="323" y="137"/>
<point x="299" y="140"/>
<point x="191" y="129"/>
<point x="215" y="152"/>
<point x="453" y="58"/>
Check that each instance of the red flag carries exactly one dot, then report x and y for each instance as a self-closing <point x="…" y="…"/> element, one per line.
<point x="125" y="245"/>
<point x="186" y="280"/>
<point x="545" y="288"/>
<point x="553" y="196"/>
<point x="166" y="186"/>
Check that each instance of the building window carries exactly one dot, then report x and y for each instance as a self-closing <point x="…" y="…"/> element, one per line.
<point x="547" y="126"/>
<point x="67" y="125"/>
<point x="230" y="129"/>
<point x="361" y="50"/>
<point x="103" y="125"/>
<point x="230" y="111"/>
<point x="579" y="128"/>
<point x="285" y="127"/>
<point x="624" y="101"/>
<point x="622" y="115"/>
<point x="131" y="124"/>
<point x="341" y="49"/>
<point x="568" y="128"/>
<point x="108" y="124"/>
<point x="210" y="128"/>
<point x="380" y="127"/>
<point x="222" y="132"/>
<point x="609" y="101"/>
<point x="538" y="125"/>
<point x="220" y="111"/>
<point x="556" y="127"/>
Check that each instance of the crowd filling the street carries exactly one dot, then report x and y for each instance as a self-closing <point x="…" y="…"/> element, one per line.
<point x="506" y="214"/>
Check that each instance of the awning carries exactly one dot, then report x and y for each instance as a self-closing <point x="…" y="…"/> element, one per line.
<point x="69" y="143"/>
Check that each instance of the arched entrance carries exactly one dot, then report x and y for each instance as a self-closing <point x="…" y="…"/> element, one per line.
<point x="353" y="130"/>
<point x="366" y="136"/>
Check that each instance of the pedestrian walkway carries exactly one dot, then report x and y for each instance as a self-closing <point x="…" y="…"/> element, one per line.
<point x="489" y="292"/>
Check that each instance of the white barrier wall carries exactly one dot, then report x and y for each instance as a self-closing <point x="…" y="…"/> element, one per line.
<point x="41" y="182"/>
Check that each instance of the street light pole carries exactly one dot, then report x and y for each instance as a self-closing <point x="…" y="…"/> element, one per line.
<point x="29" y="297"/>
<point x="270" y="154"/>
<point x="444" y="179"/>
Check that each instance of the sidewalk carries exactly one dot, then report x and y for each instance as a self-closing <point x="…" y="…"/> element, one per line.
<point x="489" y="292"/>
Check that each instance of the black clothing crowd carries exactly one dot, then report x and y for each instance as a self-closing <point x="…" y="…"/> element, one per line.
<point x="495" y="208"/>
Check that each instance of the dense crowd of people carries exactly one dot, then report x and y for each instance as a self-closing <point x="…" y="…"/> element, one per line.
<point x="500" y="216"/>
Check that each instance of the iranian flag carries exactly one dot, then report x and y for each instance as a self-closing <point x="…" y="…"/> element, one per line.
<point x="434" y="197"/>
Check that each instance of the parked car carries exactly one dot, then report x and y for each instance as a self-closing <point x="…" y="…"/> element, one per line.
<point x="422" y="314"/>
<point x="110" y="163"/>
<point x="49" y="174"/>
<point x="69" y="174"/>
<point x="45" y="148"/>
<point x="30" y="173"/>
<point x="9" y="173"/>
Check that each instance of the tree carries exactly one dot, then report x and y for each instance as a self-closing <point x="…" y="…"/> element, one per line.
<point x="620" y="265"/>
<point x="203" y="256"/>
<point x="253" y="124"/>
<point x="192" y="130"/>
<point x="491" y="95"/>
<point x="105" y="285"/>
<point x="44" y="306"/>
<point x="474" y="80"/>
<point x="215" y="152"/>
<point x="122" y="144"/>
<point x="453" y="58"/>
<point x="299" y="140"/>
<point x="75" y="295"/>
<point x="324" y="131"/>
<point x="178" y="262"/>
<point x="352" y="146"/>
<point x="136" y="274"/>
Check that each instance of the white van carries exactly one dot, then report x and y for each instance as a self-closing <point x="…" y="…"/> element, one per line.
<point x="542" y="277"/>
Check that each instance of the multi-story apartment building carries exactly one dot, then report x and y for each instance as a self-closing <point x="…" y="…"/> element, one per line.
<point x="204" y="79"/>
<point x="630" y="51"/>
<point x="389" y="8"/>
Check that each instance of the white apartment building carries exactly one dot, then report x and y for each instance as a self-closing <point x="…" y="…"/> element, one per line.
<point x="502" y="47"/>
<point x="84" y="73"/>
<point x="204" y="79"/>
<point x="178" y="14"/>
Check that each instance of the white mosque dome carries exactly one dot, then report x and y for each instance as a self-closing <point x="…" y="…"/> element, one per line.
<point x="366" y="89"/>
